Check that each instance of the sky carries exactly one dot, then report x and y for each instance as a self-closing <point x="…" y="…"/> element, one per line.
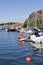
<point x="18" y="10"/>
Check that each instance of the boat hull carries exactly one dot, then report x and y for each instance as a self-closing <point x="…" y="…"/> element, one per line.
<point x="37" y="46"/>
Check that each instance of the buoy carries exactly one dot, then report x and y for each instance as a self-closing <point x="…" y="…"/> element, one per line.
<point x="20" y="42"/>
<point x="28" y="59"/>
<point x="24" y="46"/>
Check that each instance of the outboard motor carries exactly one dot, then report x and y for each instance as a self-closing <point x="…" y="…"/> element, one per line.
<point x="37" y="34"/>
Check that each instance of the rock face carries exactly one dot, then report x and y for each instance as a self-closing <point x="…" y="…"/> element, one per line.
<point x="35" y="19"/>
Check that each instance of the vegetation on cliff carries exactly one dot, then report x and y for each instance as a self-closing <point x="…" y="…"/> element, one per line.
<point x="35" y="19"/>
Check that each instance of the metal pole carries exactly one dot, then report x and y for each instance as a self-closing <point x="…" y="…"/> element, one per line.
<point x="42" y="18"/>
<point x="35" y="19"/>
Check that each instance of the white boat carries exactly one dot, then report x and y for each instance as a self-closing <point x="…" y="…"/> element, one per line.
<point x="22" y="30"/>
<point x="36" y="39"/>
<point x="37" y="42"/>
<point x="28" y="32"/>
<point x="7" y="29"/>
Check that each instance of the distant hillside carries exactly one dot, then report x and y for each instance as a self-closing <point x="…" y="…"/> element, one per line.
<point x="11" y="24"/>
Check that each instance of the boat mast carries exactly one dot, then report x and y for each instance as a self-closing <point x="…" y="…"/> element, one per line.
<point x="35" y="19"/>
<point x="27" y="23"/>
<point x="42" y="18"/>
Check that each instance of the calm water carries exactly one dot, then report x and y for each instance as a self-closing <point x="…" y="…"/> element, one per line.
<point x="13" y="54"/>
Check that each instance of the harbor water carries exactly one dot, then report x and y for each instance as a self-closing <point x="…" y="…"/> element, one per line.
<point x="11" y="53"/>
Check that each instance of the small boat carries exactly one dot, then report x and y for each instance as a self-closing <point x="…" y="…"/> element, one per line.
<point x="29" y="31"/>
<point x="10" y="29"/>
<point x="22" y="30"/>
<point x="7" y="29"/>
<point x="23" y="39"/>
<point x="36" y="41"/>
